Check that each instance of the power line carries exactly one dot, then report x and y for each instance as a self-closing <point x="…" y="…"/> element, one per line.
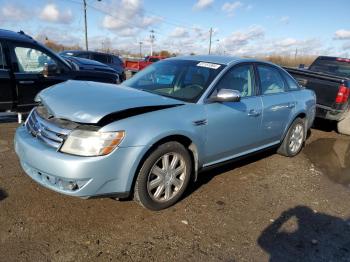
<point x="128" y="21"/>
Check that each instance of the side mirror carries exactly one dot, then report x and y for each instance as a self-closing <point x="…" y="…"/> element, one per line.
<point x="226" y="95"/>
<point x="49" y="69"/>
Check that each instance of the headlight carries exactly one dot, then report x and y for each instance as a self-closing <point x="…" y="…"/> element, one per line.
<point x="91" y="143"/>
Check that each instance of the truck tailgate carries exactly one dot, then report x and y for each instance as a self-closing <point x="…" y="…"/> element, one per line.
<point x="132" y="65"/>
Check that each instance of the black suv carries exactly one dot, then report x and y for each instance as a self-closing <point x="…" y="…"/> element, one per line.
<point x="27" y="67"/>
<point x="113" y="61"/>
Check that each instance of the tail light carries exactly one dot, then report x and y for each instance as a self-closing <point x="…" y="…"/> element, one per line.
<point x="343" y="94"/>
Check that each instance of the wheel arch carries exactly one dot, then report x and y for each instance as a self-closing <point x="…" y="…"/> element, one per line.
<point x="186" y="141"/>
<point x="301" y="115"/>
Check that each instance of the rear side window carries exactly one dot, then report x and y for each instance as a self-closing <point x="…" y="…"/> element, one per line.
<point x="3" y="64"/>
<point x="292" y="84"/>
<point x="271" y="81"/>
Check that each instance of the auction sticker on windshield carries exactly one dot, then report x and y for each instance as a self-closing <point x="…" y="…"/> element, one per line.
<point x="208" y="65"/>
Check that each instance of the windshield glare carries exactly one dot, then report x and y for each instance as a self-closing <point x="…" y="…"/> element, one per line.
<point x="179" y="79"/>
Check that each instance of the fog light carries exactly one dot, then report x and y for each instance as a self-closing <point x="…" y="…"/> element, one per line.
<point x="70" y="185"/>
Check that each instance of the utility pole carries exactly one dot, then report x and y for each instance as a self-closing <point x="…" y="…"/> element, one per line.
<point x="86" y="30"/>
<point x="140" y="49"/>
<point x="210" y="36"/>
<point x="296" y="54"/>
<point x="152" y="37"/>
<point x="86" y="34"/>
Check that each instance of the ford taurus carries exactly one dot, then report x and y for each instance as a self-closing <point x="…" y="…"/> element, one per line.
<point x="149" y="137"/>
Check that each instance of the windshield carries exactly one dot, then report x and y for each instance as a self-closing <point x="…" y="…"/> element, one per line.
<point x="180" y="79"/>
<point x="338" y="67"/>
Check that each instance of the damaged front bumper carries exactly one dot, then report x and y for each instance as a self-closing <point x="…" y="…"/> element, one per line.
<point x="85" y="177"/>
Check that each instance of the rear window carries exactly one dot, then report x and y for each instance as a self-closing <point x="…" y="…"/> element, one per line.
<point x="333" y="66"/>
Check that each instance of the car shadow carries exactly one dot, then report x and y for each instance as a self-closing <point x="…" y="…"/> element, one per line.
<point x="3" y="195"/>
<point x="205" y="176"/>
<point x="325" y="125"/>
<point x="300" y="234"/>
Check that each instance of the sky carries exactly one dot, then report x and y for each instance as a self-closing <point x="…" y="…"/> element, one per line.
<point x="242" y="28"/>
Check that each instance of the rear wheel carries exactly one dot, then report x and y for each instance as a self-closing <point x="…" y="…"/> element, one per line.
<point x="294" y="139"/>
<point x="163" y="177"/>
<point x="344" y="125"/>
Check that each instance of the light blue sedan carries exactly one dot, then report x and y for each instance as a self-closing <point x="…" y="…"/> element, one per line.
<point x="149" y="137"/>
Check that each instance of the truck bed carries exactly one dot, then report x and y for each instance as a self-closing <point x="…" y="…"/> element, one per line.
<point x="326" y="88"/>
<point x="324" y="85"/>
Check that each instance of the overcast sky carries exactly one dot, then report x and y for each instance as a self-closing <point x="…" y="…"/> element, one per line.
<point x="245" y="27"/>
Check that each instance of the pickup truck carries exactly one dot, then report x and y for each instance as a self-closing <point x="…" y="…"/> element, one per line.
<point x="137" y="65"/>
<point x="329" y="78"/>
<point x="27" y="67"/>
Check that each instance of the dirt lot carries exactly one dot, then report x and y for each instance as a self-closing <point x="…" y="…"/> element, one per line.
<point x="265" y="208"/>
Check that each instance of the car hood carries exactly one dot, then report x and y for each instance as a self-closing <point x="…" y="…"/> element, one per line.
<point x="87" y="64"/>
<point x="90" y="102"/>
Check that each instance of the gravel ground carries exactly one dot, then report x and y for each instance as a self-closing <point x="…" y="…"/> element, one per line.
<point x="264" y="208"/>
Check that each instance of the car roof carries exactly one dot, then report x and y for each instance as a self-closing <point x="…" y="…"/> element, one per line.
<point x="86" y="52"/>
<point x="225" y="60"/>
<point x="20" y="36"/>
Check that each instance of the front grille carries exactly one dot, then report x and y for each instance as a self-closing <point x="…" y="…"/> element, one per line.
<point x="45" y="131"/>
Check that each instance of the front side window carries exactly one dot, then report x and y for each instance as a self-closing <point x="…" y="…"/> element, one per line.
<point x="179" y="79"/>
<point x="271" y="81"/>
<point x="240" y="78"/>
<point x="31" y="60"/>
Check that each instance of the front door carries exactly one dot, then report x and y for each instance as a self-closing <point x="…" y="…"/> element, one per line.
<point x="233" y="128"/>
<point x="6" y="87"/>
<point x="29" y="76"/>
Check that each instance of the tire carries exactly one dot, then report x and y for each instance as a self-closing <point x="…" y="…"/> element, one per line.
<point x="344" y="125"/>
<point x="123" y="77"/>
<point x="156" y="188"/>
<point x="288" y="148"/>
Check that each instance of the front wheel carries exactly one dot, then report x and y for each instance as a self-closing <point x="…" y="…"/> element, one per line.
<point x="294" y="139"/>
<point x="163" y="177"/>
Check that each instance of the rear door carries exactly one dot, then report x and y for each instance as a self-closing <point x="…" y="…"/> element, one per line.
<point x="6" y="87"/>
<point x="28" y="72"/>
<point x="278" y="103"/>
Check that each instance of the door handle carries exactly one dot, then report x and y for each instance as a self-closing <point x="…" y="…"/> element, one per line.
<point x="291" y="105"/>
<point x="26" y="82"/>
<point x="253" y="112"/>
